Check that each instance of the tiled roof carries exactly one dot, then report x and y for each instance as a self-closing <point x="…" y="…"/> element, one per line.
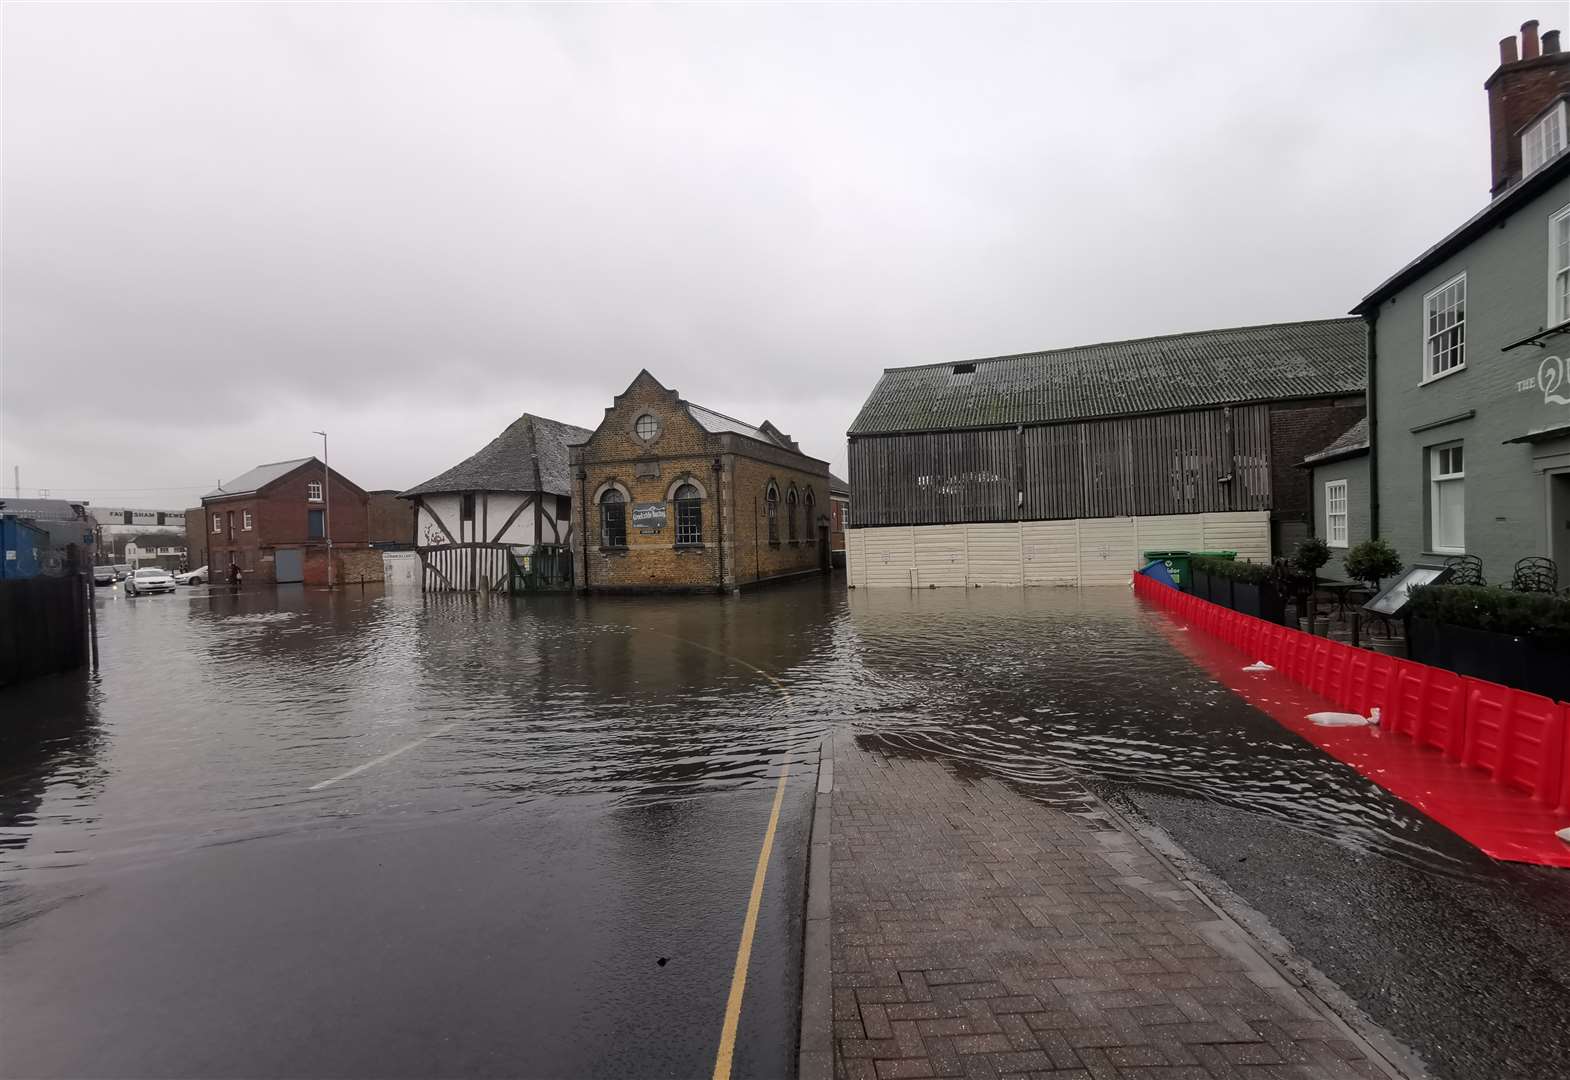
<point x="1144" y="375"/>
<point x="838" y="486"/>
<point x="531" y="455"/>
<point x="256" y="479"/>
<point x="1354" y="440"/>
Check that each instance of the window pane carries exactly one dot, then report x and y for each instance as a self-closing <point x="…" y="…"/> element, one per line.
<point x="1450" y="514"/>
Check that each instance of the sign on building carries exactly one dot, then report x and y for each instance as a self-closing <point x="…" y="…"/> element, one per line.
<point x="649" y="517"/>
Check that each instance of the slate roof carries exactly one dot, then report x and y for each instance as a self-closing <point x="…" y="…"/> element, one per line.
<point x="1470" y="229"/>
<point x="1354" y="440"/>
<point x="531" y="455"/>
<point x="1119" y="378"/>
<point x="838" y="486"/>
<point x="256" y="479"/>
<point x="716" y="423"/>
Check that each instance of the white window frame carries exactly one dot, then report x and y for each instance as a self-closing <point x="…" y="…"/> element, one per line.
<point x="218" y="523"/>
<point x="1435" y="479"/>
<point x="1558" y="272"/>
<point x="1429" y="374"/>
<point x="1336" y="522"/>
<point x="1543" y="141"/>
<point x="313" y="491"/>
<point x="245" y="521"/>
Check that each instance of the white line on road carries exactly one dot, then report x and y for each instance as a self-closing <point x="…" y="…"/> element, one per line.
<point x="383" y="759"/>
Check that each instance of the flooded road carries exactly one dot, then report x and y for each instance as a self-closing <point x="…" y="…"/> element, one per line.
<point x="359" y="834"/>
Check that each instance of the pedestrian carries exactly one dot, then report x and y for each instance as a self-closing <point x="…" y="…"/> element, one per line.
<point x="234" y="575"/>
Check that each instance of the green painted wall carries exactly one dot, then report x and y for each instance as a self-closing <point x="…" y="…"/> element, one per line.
<point x="1507" y="299"/>
<point x="1354" y="470"/>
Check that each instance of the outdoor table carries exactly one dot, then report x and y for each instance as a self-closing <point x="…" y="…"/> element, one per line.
<point x="1339" y="590"/>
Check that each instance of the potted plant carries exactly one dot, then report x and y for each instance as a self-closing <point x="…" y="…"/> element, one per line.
<point x="1511" y="638"/>
<point x="1371" y="562"/>
<point x="1311" y="554"/>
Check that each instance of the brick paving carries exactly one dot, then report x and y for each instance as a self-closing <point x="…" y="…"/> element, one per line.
<point x="979" y="933"/>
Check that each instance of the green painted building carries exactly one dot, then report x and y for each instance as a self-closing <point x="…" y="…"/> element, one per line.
<point x="1469" y="354"/>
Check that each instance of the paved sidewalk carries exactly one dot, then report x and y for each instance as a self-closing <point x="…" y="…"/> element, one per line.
<point x="978" y="933"/>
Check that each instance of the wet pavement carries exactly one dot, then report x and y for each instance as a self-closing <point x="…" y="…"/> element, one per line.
<point x="359" y="834"/>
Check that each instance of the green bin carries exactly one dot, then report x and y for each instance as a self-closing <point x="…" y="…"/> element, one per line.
<point x="1176" y="563"/>
<point x="1214" y="554"/>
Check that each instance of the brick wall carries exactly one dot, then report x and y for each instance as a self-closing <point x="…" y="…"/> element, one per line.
<point x="1298" y="429"/>
<point x="389" y="518"/>
<point x="279" y="519"/>
<point x="197" y="527"/>
<point x="649" y="471"/>
<point x="1517" y="91"/>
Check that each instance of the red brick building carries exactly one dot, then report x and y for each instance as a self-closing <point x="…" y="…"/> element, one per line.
<point x="273" y="522"/>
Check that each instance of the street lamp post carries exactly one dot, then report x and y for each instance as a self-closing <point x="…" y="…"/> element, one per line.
<point x="327" y="514"/>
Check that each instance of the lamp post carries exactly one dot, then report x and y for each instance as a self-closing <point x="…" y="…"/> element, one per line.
<point x="327" y="514"/>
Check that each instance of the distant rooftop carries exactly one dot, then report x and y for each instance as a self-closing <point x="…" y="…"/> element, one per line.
<point x="530" y="455"/>
<point x="258" y="478"/>
<point x="1354" y="440"/>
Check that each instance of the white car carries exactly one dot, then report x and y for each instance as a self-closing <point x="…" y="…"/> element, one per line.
<point x="192" y="577"/>
<point x="149" y="579"/>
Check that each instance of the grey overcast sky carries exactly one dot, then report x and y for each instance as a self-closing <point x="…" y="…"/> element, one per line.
<point x="226" y="225"/>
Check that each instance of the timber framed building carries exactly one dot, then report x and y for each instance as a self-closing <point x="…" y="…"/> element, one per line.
<point x="507" y="508"/>
<point x="1060" y="467"/>
<point x="674" y="497"/>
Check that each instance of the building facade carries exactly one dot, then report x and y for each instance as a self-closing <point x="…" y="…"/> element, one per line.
<point x="501" y="514"/>
<point x="1061" y="467"/>
<point x="671" y="496"/>
<point x="1470" y="367"/>
<point x="273" y="523"/>
<point x="70" y="526"/>
<point x="839" y="518"/>
<point x="390" y="521"/>
<point x="1339" y="487"/>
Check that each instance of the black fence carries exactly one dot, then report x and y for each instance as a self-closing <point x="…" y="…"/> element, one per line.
<point x="43" y="627"/>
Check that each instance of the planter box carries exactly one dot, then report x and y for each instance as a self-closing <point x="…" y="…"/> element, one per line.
<point x="1530" y="664"/>
<point x="1199" y="584"/>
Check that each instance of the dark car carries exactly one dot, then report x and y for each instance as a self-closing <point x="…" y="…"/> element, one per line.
<point x="104" y="576"/>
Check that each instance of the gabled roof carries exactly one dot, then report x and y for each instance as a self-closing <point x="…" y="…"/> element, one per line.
<point x="1351" y="442"/>
<point x="716" y="423"/>
<point x="44" y="509"/>
<point x="248" y="483"/>
<point x="1469" y="230"/>
<point x="1274" y="362"/>
<point x="838" y="486"/>
<point x="531" y="455"/>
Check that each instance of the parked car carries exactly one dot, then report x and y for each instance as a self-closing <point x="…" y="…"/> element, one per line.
<point x="192" y="577"/>
<point x="122" y="571"/>
<point x="149" y="579"/>
<point x="104" y="576"/>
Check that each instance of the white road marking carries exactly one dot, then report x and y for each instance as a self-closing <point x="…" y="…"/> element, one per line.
<point x="383" y="759"/>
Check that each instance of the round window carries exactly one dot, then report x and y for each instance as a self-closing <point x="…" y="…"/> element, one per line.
<point x="647" y="427"/>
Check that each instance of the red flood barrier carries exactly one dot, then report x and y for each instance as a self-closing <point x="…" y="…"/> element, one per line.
<point x="1518" y="740"/>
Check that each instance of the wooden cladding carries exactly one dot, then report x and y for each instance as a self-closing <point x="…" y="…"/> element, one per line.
<point x="1204" y="461"/>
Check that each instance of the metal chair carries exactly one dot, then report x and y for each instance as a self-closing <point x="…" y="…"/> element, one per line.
<point x="1535" y="574"/>
<point x="1465" y="570"/>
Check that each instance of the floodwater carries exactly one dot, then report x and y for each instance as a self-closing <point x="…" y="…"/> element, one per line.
<point x="359" y="833"/>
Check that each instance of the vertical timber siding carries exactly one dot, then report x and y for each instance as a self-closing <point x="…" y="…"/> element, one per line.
<point x="1203" y="461"/>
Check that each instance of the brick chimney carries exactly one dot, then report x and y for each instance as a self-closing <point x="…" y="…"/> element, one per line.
<point x="1522" y="86"/>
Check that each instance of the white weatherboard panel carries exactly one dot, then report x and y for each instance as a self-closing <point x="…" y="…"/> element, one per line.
<point x="1180" y="532"/>
<point x="890" y="556"/>
<point x="1106" y="550"/>
<point x="855" y="560"/>
<point x="1246" y="532"/>
<point x="994" y="554"/>
<point x="940" y="555"/>
<point x="1051" y="551"/>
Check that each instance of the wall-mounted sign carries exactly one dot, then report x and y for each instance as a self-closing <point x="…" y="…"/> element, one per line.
<point x="1394" y="599"/>
<point x="1552" y="378"/>
<point x="650" y="516"/>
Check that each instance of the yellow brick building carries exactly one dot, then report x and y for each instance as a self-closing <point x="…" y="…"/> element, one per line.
<point x="671" y="496"/>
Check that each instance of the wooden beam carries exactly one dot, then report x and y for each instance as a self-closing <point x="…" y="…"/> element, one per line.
<point x="508" y="523"/>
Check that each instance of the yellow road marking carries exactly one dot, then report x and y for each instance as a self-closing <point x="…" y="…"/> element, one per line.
<point x="749" y="926"/>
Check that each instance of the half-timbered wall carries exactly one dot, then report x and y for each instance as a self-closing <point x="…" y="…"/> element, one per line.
<point x="471" y="555"/>
<point x="1203" y="461"/>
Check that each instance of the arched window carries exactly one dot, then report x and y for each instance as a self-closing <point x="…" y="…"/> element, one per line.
<point x="689" y="515"/>
<point x="771" y="505"/>
<point x="790" y="514"/>
<point x="613" y="519"/>
<point x="812" y="517"/>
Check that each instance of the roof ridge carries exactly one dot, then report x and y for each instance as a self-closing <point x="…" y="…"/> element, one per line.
<point x="1124" y="341"/>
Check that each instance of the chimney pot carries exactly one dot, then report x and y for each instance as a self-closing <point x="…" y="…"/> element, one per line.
<point x="1529" y="49"/>
<point x="1550" y="42"/>
<point x="1507" y="51"/>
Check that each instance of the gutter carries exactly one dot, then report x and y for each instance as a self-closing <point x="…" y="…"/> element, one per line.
<point x="1372" y="318"/>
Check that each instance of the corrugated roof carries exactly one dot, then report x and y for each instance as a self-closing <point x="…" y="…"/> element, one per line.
<point x="531" y="455"/>
<point x="1354" y="440"/>
<point x="1118" y="378"/>
<point x="257" y="478"/>
<point x="44" y="509"/>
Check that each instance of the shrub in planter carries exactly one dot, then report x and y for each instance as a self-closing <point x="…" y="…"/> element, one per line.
<point x="1515" y="639"/>
<point x="1371" y="561"/>
<point x="1251" y="588"/>
<point x="1488" y="607"/>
